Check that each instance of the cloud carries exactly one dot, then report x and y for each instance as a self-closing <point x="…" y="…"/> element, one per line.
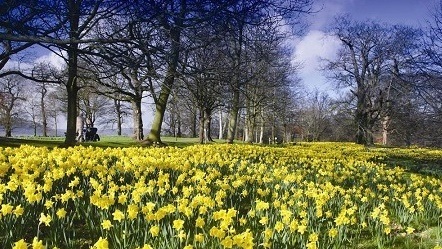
<point x="51" y="58"/>
<point x="314" y="46"/>
<point x="309" y="52"/>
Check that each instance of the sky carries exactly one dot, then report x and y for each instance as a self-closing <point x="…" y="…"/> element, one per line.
<point x="315" y="44"/>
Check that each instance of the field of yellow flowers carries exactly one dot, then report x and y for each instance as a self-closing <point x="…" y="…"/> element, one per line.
<point x="317" y="195"/>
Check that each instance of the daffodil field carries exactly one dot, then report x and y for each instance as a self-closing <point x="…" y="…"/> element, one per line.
<point x="313" y="195"/>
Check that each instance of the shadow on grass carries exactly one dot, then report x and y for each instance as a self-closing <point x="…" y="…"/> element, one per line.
<point x="415" y="163"/>
<point x="17" y="142"/>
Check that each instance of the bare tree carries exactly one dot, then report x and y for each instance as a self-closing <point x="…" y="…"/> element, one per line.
<point x="365" y="64"/>
<point x="12" y="94"/>
<point x="31" y="108"/>
<point x="247" y="22"/>
<point x="62" y="27"/>
<point x="316" y="116"/>
<point x="24" y="18"/>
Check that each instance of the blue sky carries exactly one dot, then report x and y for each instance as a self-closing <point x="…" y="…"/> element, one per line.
<point x="315" y="43"/>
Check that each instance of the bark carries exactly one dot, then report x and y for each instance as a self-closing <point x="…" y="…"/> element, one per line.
<point x="160" y="109"/>
<point x="179" y="133"/>
<point x="201" y="133"/>
<point x="261" y="134"/>
<point x="364" y="121"/>
<point x="204" y="121"/>
<point x="250" y="129"/>
<point x="207" y="122"/>
<point x="72" y="94"/>
<point x="166" y="87"/>
<point x="8" y="125"/>
<point x="385" y="124"/>
<point x="194" y="124"/>
<point x="138" y="120"/>
<point x="250" y="122"/>
<point x="117" y="104"/>
<point x="71" y="86"/>
<point x="43" y="111"/>
<point x="221" y="128"/>
<point x="56" y="125"/>
<point x="233" y="117"/>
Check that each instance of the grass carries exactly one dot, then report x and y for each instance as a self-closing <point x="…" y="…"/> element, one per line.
<point x="106" y="141"/>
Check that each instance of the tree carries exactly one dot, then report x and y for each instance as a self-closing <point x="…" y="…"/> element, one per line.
<point x="45" y="72"/>
<point x="120" y="110"/>
<point x="94" y="106"/>
<point x="247" y="22"/>
<point x="316" y="116"/>
<point x="22" y="18"/>
<point x="176" y="19"/>
<point x="365" y="65"/>
<point x="62" y="27"/>
<point x="203" y="81"/>
<point x="12" y="94"/>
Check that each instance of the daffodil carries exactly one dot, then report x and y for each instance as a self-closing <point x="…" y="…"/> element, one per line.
<point x="21" y="244"/>
<point x="154" y="230"/>
<point x="61" y="213"/>
<point x="101" y="244"/>
<point x="37" y="244"/>
<point x="118" y="215"/>
<point x="106" y="224"/>
<point x="46" y="219"/>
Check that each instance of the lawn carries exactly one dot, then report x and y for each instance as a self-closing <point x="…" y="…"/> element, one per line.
<point x="106" y="141"/>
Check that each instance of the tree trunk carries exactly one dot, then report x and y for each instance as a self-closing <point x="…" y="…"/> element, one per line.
<point x="43" y="111"/>
<point x="233" y="117"/>
<point x="364" y="134"/>
<point x="166" y="87"/>
<point x="138" y="120"/>
<point x="207" y="122"/>
<point x="160" y="109"/>
<point x="221" y="128"/>
<point x="194" y="123"/>
<point x="71" y="86"/>
<point x="56" y="125"/>
<point x="385" y="124"/>
<point x="72" y="92"/>
<point x="8" y="131"/>
<point x="261" y="133"/>
<point x="34" y="123"/>
<point x="250" y="123"/>
<point x="8" y="125"/>
<point x="250" y="129"/>
<point x="117" y="104"/>
<point x="179" y="133"/>
<point x="201" y="132"/>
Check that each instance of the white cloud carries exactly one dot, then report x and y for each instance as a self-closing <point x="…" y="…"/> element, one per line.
<point x="309" y="51"/>
<point x="314" y="46"/>
<point x="53" y="59"/>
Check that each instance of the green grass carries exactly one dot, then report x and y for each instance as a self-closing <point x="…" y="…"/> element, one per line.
<point x="34" y="141"/>
<point x="106" y="141"/>
<point x="50" y="142"/>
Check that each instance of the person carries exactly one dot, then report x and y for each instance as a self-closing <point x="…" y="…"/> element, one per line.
<point x="80" y="127"/>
